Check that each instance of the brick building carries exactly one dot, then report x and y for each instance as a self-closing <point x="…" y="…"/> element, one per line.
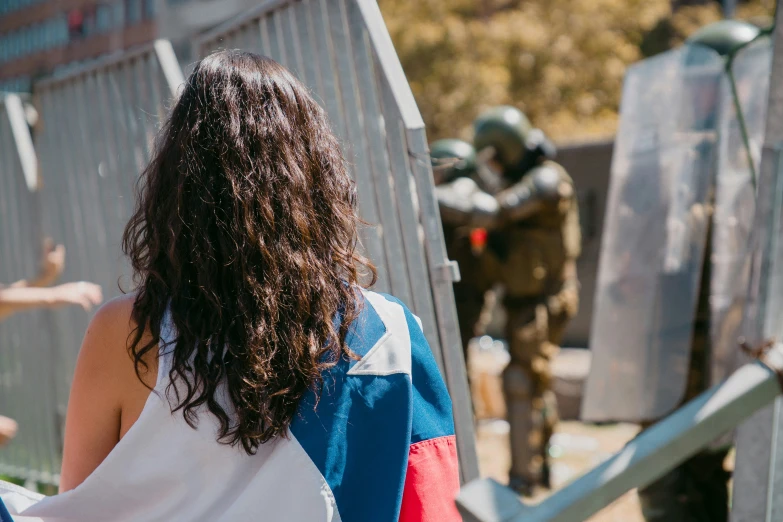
<point x="39" y="36"/>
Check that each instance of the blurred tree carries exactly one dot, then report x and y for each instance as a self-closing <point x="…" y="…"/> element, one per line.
<point x="561" y="61"/>
<point x="676" y="4"/>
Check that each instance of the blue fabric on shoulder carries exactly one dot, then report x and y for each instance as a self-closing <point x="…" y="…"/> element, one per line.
<point x="358" y="430"/>
<point x="5" y="516"/>
<point x="432" y="412"/>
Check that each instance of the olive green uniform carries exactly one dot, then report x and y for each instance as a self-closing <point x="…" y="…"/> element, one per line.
<point x="534" y="254"/>
<point x="469" y="292"/>
<point x="534" y="239"/>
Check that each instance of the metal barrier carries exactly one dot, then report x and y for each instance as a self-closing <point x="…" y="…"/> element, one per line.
<point x="646" y="458"/>
<point x="26" y="356"/>
<point x="342" y="51"/>
<point x="94" y="136"/>
<point x="96" y="133"/>
<point x="758" y="472"/>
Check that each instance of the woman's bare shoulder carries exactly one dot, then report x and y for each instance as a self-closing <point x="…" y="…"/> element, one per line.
<point x="116" y="312"/>
<point x="111" y="324"/>
<point x="104" y="393"/>
<point x="110" y="335"/>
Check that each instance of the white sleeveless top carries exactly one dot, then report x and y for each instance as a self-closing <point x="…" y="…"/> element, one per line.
<point x="164" y="470"/>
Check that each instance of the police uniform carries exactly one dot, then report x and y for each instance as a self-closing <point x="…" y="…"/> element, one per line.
<point x="534" y="252"/>
<point x="533" y="242"/>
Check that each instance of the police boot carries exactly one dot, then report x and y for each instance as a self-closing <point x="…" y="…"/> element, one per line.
<point x="708" y="496"/>
<point x="546" y="479"/>
<point x="525" y="435"/>
<point x="665" y="500"/>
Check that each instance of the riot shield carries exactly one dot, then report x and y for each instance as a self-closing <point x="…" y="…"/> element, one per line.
<point x="654" y="236"/>
<point x="735" y="205"/>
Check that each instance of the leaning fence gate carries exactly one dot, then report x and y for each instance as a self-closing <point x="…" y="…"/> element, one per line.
<point x="341" y="50"/>
<point x="93" y="136"/>
<point x="26" y="367"/>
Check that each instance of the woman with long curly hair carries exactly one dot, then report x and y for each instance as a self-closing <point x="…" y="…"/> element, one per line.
<point x="251" y="375"/>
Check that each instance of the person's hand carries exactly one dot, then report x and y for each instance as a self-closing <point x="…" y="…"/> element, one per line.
<point x="52" y="262"/>
<point x="82" y="293"/>
<point x="8" y="428"/>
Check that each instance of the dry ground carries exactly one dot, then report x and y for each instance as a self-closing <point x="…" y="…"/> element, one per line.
<point x="578" y="448"/>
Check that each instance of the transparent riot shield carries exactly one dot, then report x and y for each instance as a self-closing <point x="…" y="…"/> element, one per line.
<point x="654" y="236"/>
<point x="735" y="204"/>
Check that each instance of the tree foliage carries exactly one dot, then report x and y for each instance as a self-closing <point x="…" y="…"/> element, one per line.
<point x="560" y="61"/>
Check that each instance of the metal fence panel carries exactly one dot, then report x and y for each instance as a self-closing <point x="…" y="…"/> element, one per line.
<point x="26" y="356"/>
<point x="735" y="205"/>
<point x="342" y="51"/>
<point x="758" y="473"/>
<point x="96" y="131"/>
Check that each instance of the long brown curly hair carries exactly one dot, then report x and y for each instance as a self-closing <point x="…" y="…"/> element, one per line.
<point x="246" y="230"/>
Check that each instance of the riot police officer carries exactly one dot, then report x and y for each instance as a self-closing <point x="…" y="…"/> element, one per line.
<point x="532" y="247"/>
<point x="533" y="241"/>
<point x="697" y="489"/>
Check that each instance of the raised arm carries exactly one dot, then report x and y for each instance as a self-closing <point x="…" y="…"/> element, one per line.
<point x="52" y="265"/>
<point x="17" y="298"/>
<point x="545" y="186"/>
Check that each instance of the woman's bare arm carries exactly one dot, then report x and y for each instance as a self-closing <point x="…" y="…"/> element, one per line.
<point x="17" y="298"/>
<point x="103" y="380"/>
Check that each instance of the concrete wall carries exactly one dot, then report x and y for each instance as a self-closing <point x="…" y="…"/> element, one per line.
<point x="589" y="165"/>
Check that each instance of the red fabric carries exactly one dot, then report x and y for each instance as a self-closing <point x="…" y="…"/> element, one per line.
<point x="432" y="482"/>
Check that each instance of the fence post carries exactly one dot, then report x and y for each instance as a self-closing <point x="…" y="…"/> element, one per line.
<point x="758" y="492"/>
<point x="24" y="142"/>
